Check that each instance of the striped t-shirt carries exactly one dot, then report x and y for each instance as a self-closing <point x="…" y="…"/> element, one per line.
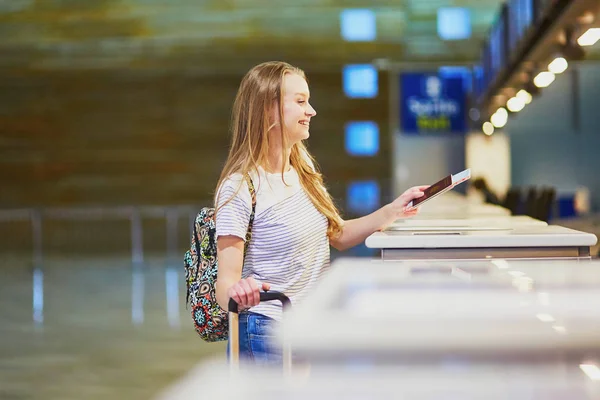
<point x="289" y="248"/>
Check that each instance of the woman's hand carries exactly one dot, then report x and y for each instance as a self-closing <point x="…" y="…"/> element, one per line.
<point x="246" y="292"/>
<point x="398" y="208"/>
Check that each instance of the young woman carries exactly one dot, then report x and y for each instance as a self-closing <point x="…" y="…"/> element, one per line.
<point x="295" y="220"/>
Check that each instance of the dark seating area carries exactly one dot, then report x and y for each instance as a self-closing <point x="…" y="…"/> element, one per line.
<point x="536" y="202"/>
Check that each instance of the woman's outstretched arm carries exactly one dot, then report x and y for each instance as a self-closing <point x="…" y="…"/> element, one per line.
<point x="355" y="231"/>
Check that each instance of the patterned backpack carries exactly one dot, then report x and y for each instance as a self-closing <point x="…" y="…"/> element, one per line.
<point x="200" y="264"/>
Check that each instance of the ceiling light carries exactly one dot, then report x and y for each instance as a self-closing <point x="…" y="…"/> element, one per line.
<point x="488" y="128"/>
<point x="558" y="66"/>
<point x="525" y="96"/>
<point x="543" y="79"/>
<point x="515" y="104"/>
<point x="502" y="112"/>
<point x="499" y="120"/>
<point x="590" y="37"/>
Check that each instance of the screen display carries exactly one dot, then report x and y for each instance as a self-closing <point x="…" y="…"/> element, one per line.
<point x="498" y="44"/>
<point x="485" y="69"/>
<point x="434" y="189"/>
<point x="506" y="35"/>
<point x="513" y="25"/>
<point x="520" y="18"/>
<point x="525" y="16"/>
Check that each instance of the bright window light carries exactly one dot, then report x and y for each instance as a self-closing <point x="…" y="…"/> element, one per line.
<point x="362" y="138"/>
<point x="558" y="66"/>
<point x="544" y="79"/>
<point x="590" y="37"/>
<point x="454" y="23"/>
<point x="360" y="81"/>
<point x="591" y="370"/>
<point x="560" y="329"/>
<point x="358" y="25"/>
<point x="545" y="317"/>
<point x="363" y="196"/>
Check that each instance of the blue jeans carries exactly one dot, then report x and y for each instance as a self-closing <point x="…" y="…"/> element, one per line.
<point x="257" y="340"/>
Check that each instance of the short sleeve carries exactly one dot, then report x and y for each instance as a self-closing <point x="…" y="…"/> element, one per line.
<point x="234" y="205"/>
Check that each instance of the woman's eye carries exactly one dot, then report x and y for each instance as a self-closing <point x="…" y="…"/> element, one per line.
<point x="301" y="101"/>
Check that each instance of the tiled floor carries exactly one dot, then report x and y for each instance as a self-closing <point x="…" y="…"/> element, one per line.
<point x="93" y="328"/>
<point x="90" y="308"/>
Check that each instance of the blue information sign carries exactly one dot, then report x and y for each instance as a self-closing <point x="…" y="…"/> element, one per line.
<point x="430" y="103"/>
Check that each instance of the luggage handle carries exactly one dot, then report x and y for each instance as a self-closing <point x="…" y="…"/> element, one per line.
<point x="234" y="330"/>
<point x="264" y="296"/>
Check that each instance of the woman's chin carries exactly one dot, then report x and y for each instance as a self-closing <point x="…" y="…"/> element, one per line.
<point x="303" y="136"/>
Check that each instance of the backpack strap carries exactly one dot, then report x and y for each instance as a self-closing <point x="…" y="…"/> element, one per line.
<point x="253" y="195"/>
<point x="196" y="243"/>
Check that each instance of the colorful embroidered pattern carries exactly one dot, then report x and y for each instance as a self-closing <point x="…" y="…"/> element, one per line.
<point x="201" y="265"/>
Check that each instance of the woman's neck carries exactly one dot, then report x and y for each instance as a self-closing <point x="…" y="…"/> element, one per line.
<point x="277" y="163"/>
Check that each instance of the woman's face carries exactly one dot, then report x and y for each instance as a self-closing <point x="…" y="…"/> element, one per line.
<point x="297" y="111"/>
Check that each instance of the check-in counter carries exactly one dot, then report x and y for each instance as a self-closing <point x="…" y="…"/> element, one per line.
<point x="452" y="379"/>
<point x="466" y="210"/>
<point x="429" y="330"/>
<point x="397" y="312"/>
<point x="494" y="242"/>
<point x="475" y="223"/>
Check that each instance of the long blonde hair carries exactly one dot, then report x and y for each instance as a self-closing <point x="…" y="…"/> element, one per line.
<point x="259" y="91"/>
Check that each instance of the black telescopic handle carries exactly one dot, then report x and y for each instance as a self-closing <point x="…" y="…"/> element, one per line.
<point x="265" y="296"/>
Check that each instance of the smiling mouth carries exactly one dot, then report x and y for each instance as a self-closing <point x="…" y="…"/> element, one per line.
<point x="305" y="123"/>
